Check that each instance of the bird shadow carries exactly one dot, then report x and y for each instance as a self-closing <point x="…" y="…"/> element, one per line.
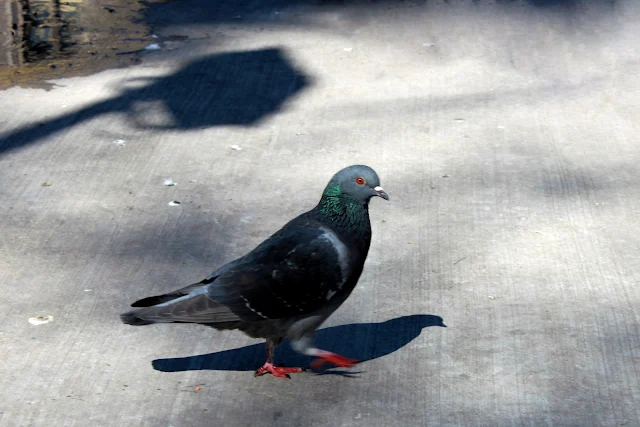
<point x="360" y="341"/>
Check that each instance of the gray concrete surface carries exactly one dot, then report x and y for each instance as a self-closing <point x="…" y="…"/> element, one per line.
<point x="505" y="134"/>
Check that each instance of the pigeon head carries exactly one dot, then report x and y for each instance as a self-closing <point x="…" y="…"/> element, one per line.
<point x="357" y="182"/>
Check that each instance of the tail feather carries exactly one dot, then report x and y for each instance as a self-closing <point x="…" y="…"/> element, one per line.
<point x="193" y="307"/>
<point x="155" y="300"/>
<point x="130" y="318"/>
<point x="160" y="299"/>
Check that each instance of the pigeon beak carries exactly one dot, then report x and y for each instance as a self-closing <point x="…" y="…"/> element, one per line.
<point x="381" y="193"/>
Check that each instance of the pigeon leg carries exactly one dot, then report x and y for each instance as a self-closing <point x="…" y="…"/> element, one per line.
<point x="305" y="346"/>
<point x="328" y="357"/>
<point x="269" y="366"/>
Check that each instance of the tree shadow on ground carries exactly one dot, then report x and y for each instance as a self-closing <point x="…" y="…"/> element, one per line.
<point x="235" y="88"/>
<point x="360" y="341"/>
<point x="291" y="12"/>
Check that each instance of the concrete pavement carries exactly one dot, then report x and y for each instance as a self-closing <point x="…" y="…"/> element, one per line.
<point x="505" y="134"/>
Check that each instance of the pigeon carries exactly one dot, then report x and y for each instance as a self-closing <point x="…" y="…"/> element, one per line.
<point x="289" y="284"/>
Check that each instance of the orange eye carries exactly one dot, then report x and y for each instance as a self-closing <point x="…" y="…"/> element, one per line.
<point x="360" y="180"/>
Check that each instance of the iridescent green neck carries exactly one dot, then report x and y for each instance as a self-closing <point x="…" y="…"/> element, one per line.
<point x="341" y="209"/>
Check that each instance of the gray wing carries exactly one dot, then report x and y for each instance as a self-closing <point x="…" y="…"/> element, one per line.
<point x="295" y="272"/>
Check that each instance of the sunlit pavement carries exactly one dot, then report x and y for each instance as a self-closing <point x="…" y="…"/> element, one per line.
<point x="506" y="135"/>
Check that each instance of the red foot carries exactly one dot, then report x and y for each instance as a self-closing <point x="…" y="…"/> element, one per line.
<point x="336" y="359"/>
<point x="276" y="371"/>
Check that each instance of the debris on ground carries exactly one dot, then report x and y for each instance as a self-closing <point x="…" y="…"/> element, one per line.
<point x="460" y="260"/>
<point x="169" y="182"/>
<point x="174" y="203"/>
<point x="236" y="147"/>
<point x="120" y="142"/>
<point x="246" y="219"/>
<point x="152" y="46"/>
<point x="40" y="320"/>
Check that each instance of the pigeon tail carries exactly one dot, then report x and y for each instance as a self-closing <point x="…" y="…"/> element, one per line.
<point x="130" y="318"/>
<point x="161" y="299"/>
<point x="155" y="300"/>
<point x="194" y="307"/>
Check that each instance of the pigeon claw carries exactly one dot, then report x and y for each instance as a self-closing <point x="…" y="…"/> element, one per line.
<point x="270" y="368"/>
<point x="334" y="359"/>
